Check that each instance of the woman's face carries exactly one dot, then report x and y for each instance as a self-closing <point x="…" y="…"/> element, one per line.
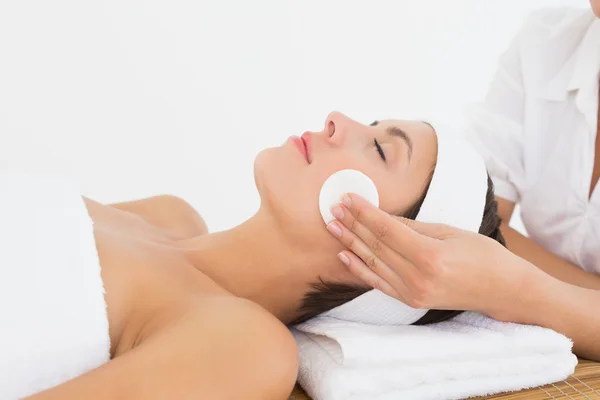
<point x="399" y="156"/>
<point x="596" y="7"/>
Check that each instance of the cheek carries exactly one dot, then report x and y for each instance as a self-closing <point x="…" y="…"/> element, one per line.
<point x="396" y="195"/>
<point x="397" y="191"/>
<point x="391" y="196"/>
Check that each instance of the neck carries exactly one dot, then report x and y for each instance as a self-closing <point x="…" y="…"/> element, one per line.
<point x="256" y="261"/>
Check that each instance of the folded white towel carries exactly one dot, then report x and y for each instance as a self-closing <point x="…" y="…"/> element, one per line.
<point x="53" y="324"/>
<point x="470" y="355"/>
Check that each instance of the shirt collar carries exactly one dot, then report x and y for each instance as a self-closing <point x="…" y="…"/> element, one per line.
<point x="580" y="71"/>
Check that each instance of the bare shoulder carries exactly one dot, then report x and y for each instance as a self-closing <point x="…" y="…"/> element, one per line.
<point x="247" y="325"/>
<point x="167" y="212"/>
<point x="224" y="337"/>
<point x="221" y="348"/>
<point x="251" y="345"/>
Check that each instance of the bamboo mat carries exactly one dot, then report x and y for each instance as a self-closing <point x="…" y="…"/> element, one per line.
<point x="584" y="384"/>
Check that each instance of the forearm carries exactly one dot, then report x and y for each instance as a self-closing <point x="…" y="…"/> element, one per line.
<point x="564" y="308"/>
<point x="548" y="261"/>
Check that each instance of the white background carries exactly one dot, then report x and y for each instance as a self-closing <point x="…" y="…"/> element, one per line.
<point x="140" y="97"/>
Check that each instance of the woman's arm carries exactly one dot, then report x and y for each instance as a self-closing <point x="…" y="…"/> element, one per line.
<point x="539" y="256"/>
<point x="441" y="267"/>
<point x="229" y="349"/>
<point x="565" y="308"/>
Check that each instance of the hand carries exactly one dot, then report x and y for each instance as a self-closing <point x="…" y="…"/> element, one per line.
<point x="430" y="266"/>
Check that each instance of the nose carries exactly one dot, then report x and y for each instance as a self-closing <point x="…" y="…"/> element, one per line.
<point x="341" y="129"/>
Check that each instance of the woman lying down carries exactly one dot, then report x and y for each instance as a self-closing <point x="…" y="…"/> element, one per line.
<point x="146" y="304"/>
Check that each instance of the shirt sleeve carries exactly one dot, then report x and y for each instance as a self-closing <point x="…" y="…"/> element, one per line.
<point x="495" y="125"/>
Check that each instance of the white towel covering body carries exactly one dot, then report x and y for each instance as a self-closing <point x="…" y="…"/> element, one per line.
<point x="54" y="325"/>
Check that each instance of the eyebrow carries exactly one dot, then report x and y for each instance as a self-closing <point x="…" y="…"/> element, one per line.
<point x="394" y="131"/>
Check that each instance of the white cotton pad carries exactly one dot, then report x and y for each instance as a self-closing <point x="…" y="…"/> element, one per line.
<point x="342" y="182"/>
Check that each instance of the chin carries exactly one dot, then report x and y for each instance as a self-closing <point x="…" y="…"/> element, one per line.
<point x="268" y="174"/>
<point x="286" y="193"/>
<point x="595" y="7"/>
<point x="269" y="169"/>
<point x="259" y="169"/>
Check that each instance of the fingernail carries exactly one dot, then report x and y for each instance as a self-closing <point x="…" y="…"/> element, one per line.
<point x="346" y="200"/>
<point x="334" y="229"/>
<point x="337" y="212"/>
<point x="344" y="258"/>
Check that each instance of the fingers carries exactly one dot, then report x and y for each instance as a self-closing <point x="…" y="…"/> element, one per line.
<point x="435" y="231"/>
<point x="375" y="243"/>
<point x="365" y="220"/>
<point x="376" y="264"/>
<point x="359" y="269"/>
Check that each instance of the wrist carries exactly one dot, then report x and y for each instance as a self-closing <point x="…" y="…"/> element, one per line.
<point x="537" y="297"/>
<point x="528" y="292"/>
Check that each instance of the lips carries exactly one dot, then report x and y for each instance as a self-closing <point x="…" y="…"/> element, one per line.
<point x="307" y="140"/>
<point x="302" y="145"/>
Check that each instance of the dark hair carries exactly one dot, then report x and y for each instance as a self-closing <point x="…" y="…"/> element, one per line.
<point x="327" y="295"/>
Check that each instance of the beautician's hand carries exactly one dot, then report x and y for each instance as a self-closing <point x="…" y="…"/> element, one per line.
<point x="430" y="265"/>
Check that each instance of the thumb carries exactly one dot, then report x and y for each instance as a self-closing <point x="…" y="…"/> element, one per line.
<point x="432" y="230"/>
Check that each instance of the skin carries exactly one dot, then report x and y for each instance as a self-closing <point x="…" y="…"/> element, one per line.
<point x="181" y="302"/>
<point x="596" y="7"/>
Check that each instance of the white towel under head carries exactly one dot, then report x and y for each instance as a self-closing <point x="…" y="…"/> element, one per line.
<point x="470" y="355"/>
<point x="456" y="196"/>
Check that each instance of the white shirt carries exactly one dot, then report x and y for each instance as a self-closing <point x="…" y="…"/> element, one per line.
<point x="537" y="128"/>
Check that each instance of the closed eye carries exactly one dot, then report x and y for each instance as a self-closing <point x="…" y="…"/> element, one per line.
<point x="379" y="150"/>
